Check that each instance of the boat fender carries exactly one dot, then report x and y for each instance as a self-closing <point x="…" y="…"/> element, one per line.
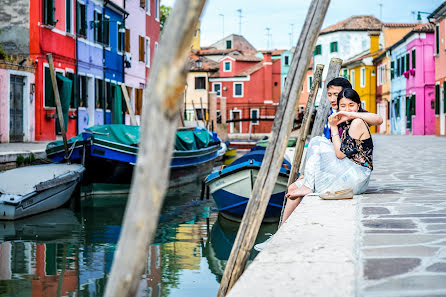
<point x="250" y="161"/>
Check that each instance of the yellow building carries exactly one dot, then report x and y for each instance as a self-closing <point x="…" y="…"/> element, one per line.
<point x="362" y="74"/>
<point x="196" y="39"/>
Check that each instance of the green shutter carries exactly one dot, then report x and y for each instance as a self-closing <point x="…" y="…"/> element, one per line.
<point x="413" y="59"/>
<point x="408" y="113"/>
<point x="392" y="70"/>
<point x="437" y="99"/>
<point x="49" y="93"/>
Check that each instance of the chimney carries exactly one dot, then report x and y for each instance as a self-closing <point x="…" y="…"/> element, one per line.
<point x="267" y="76"/>
<point x="374" y="41"/>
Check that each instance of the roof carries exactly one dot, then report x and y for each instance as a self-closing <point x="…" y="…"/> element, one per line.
<point x="251" y="70"/>
<point x="361" y="57"/>
<point x="355" y="23"/>
<point x="244" y="58"/>
<point x="420" y="28"/>
<point x="206" y="64"/>
<point x="239" y="42"/>
<point x="439" y="12"/>
<point x="399" y="25"/>
<point x="274" y="52"/>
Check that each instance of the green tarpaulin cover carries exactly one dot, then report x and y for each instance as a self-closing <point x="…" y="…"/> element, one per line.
<point x="191" y="140"/>
<point x="117" y="108"/>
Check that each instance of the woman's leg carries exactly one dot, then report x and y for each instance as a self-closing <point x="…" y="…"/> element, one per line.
<point x="290" y="207"/>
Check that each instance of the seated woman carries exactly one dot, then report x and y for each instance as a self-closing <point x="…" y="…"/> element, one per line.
<point x="344" y="163"/>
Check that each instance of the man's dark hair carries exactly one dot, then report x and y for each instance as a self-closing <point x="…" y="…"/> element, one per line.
<point x="339" y="82"/>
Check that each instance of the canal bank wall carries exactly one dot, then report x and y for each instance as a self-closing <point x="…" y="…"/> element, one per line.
<point x="389" y="241"/>
<point x="9" y="152"/>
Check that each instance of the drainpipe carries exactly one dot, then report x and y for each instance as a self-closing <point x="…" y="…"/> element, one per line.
<point x="105" y="93"/>
<point x="76" y="67"/>
<point x="123" y="60"/>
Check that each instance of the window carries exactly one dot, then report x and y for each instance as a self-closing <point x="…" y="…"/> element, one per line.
<point x="345" y="73"/>
<point x="437" y="99"/>
<point x="238" y="90"/>
<point x="310" y="82"/>
<point x="407" y="62"/>
<point x="141" y="49"/>
<point x="398" y="67"/>
<point x="97" y="26"/>
<point x="81" y="20"/>
<point x="392" y="69"/>
<point x="147" y="7"/>
<point x="70" y="75"/>
<point x="121" y="38"/>
<point x="413" y="59"/>
<point x="287" y="60"/>
<point x="217" y="88"/>
<point x="127" y="40"/>
<point x="228" y="44"/>
<point x="106" y="29"/>
<point x="99" y="93"/>
<point x="200" y="83"/>
<point x="227" y="66"/>
<point x="437" y="39"/>
<point x="362" y="77"/>
<point x="48" y="12"/>
<point x="317" y="50"/>
<point x="352" y="78"/>
<point x="334" y="47"/>
<point x="142" y="3"/>
<point x="138" y="101"/>
<point x="156" y="48"/>
<point x="49" y="92"/>
<point x="255" y="116"/>
<point x="83" y="95"/>
<point x="68" y="16"/>
<point x="157" y="10"/>
<point x="148" y="52"/>
<point x="363" y="104"/>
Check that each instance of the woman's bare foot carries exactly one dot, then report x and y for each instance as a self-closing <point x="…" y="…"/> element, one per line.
<point x="299" y="192"/>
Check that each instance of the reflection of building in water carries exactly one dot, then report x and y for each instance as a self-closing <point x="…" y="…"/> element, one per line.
<point x="187" y="247"/>
<point x="151" y="283"/>
<point x="36" y="269"/>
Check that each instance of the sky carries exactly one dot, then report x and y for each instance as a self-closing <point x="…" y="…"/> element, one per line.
<point x="285" y="18"/>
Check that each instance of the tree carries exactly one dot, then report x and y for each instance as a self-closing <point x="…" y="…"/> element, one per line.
<point x="165" y="11"/>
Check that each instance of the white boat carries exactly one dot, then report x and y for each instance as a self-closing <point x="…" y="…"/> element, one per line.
<point x="30" y="190"/>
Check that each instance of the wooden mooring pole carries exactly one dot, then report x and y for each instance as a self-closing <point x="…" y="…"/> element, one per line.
<point x="275" y="150"/>
<point x="159" y="124"/>
<point x="58" y="105"/>
<point x="129" y="105"/>
<point x="323" y="109"/>
<point x="305" y="127"/>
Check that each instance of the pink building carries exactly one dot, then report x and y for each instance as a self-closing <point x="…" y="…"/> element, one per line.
<point x="440" y="69"/>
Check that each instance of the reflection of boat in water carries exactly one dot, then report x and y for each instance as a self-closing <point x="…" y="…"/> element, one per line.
<point x="222" y="237"/>
<point x="58" y="225"/>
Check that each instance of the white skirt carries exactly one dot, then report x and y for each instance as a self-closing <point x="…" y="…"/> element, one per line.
<point x="325" y="172"/>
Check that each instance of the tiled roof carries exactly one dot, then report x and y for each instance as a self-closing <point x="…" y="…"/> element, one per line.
<point x="245" y="58"/>
<point x="274" y="52"/>
<point x="361" y="57"/>
<point x="206" y="64"/>
<point x="355" y="23"/>
<point x="399" y="25"/>
<point x="214" y="51"/>
<point x="251" y="69"/>
<point x="426" y="27"/>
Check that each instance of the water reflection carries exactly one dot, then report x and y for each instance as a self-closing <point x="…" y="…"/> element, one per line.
<point x="69" y="252"/>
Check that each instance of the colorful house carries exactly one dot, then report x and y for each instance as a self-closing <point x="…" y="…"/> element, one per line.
<point x="393" y="32"/>
<point x="90" y="64"/>
<point x="251" y="87"/>
<point x="153" y="16"/>
<point x="345" y="39"/>
<point x="413" y="80"/>
<point x="306" y="87"/>
<point x="285" y="57"/>
<point x="440" y="69"/>
<point x="362" y="74"/>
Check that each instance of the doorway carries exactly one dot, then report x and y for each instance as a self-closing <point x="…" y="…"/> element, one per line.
<point x="16" y="132"/>
<point x="236" y="125"/>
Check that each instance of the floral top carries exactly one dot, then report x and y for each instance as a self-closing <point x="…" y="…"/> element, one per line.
<point x="359" y="151"/>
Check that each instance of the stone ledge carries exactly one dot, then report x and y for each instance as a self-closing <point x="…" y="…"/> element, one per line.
<point x="313" y="254"/>
<point x="7" y="157"/>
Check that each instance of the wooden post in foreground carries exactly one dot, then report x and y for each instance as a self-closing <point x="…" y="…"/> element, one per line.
<point x="150" y="178"/>
<point x="302" y="137"/>
<point x="223" y="110"/>
<point x="275" y="151"/>
<point x="129" y="106"/>
<point x="323" y="109"/>
<point x="58" y="104"/>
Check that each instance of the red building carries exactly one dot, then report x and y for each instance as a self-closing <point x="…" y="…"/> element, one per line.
<point x="51" y="30"/>
<point x="252" y="90"/>
<point x="153" y="17"/>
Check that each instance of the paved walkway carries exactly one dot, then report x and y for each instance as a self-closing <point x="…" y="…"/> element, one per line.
<point x="10" y="151"/>
<point x="389" y="242"/>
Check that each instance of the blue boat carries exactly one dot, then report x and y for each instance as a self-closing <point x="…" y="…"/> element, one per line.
<point x="232" y="186"/>
<point x="111" y="152"/>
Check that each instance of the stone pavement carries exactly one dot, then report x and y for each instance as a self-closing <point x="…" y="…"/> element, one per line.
<point x="10" y="151"/>
<point x="403" y="219"/>
<point x="389" y="242"/>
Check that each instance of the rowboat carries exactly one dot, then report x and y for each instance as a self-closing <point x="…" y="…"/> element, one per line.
<point x="232" y="186"/>
<point x="30" y="190"/>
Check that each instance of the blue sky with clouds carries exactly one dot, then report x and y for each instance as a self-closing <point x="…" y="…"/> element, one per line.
<point x="285" y="16"/>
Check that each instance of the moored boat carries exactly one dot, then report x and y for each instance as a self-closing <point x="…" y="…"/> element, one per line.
<point x="232" y="186"/>
<point x="30" y="190"/>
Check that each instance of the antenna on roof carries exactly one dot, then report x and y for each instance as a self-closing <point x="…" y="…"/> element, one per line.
<point x="380" y="11"/>
<point x="291" y="35"/>
<point x="239" y="21"/>
<point x="268" y="38"/>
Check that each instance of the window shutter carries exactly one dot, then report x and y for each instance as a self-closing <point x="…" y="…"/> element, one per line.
<point x="413" y="59"/>
<point x="127" y="40"/>
<point x="141" y="48"/>
<point x="437" y="99"/>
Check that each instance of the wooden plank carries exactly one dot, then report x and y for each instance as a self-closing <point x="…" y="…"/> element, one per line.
<point x="150" y="177"/>
<point x="323" y="110"/>
<point x="213" y="110"/>
<point x="304" y="129"/>
<point x="129" y="105"/>
<point x="275" y="150"/>
<point x="58" y="104"/>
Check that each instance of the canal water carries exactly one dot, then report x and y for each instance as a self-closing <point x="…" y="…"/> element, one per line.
<point x="69" y="251"/>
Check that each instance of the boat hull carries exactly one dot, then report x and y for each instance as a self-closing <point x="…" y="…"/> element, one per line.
<point x="232" y="192"/>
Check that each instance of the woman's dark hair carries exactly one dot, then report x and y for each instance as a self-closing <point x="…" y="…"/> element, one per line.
<point x="339" y="82"/>
<point x="352" y="95"/>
